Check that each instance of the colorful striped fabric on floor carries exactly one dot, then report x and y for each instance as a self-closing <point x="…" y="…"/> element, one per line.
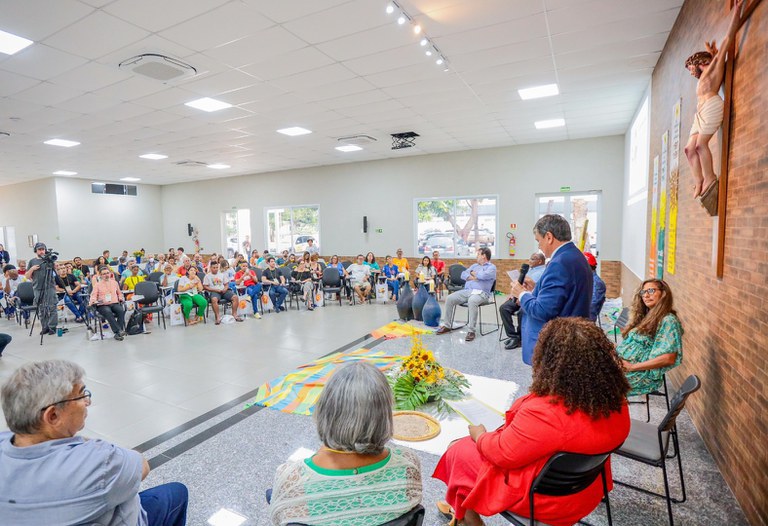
<point x="298" y="391"/>
<point x="399" y="330"/>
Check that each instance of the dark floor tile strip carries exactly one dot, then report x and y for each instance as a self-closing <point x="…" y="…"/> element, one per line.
<point x="168" y="435"/>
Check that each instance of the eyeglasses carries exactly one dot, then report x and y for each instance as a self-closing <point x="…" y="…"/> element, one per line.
<point x="86" y="394"/>
<point x="647" y="292"/>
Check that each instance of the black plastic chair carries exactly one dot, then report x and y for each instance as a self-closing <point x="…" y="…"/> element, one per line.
<point x="25" y="303"/>
<point x="294" y="289"/>
<point x="480" y="312"/>
<point x="454" y="281"/>
<point x="157" y="277"/>
<point x="565" y="474"/>
<point x="152" y="301"/>
<point x="331" y="283"/>
<point x="649" y="444"/>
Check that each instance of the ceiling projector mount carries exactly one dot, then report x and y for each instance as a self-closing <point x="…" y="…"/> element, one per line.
<point x="404" y="140"/>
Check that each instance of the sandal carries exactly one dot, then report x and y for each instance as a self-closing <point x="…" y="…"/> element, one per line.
<point x="445" y="509"/>
<point x="238" y="318"/>
<point x="218" y="322"/>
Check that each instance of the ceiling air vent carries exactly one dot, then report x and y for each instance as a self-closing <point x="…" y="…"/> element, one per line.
<point x="158" y="67"/>
<point x="191" y="163"/>
<point x="357" y="139"/>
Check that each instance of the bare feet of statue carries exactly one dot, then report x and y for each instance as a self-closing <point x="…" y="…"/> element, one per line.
<point x="697" y="188"/>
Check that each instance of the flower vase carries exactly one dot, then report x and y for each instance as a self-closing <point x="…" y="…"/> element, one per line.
<point x="419" y="300"/>
<point x="138" y="259"/>
<point x="431" y="312"/>
<point x="405" y="303"/>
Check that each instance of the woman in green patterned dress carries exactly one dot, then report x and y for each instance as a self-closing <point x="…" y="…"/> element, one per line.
<point x="653" y="341"/>
<point x="356" y="478"/>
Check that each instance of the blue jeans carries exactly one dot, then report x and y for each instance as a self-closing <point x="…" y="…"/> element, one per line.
<point x="75" y="304"/>
<point x="166" y="505"/>
<point x="277" y="294"/>
<point x="394" y="285"/>
<point x="254" y="291"/>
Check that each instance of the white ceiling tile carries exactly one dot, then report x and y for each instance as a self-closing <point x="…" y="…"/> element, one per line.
<point x="533" y="27"/>
<point x="315" y="77"/>
<point x="96" y="35"/>
<point x="284" y="11"/>
<point x="46" y="93"/>
<point x="211" y="85"/>
<point x="132" y="88"/>
<point x="466" y="16"/>
<point x="601" y="12"/>
<point x="156" y="16"/>
<point x="355" y="99"/>
<point x="334" y="22"/>
<point x="256" y="48"/>
<point x="375" y="40"/>
<point x="88" y="103"/>
<point x="91" y="77"/>
<point x="227" y="23"/>
<point x="37" y="19"/>
<point x="279" y="66"/>
<point x="336" y="89"/>
<point x="11" y="83"/>
<point x="389" y="60"/>
<point x="41" y="62"/>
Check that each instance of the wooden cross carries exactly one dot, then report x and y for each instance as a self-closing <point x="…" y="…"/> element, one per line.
<point x="724" y="155"/>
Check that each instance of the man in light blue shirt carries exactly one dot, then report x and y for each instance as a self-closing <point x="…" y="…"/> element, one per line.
<point x="479" y="280"/>
<point x="50" y="476"/>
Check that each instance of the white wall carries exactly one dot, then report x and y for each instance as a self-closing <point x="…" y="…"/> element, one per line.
<point x="30" y="208"/>
<point x="91" y="223"/>
<point x="384" y="191"/>
<point x="634" y="213"/>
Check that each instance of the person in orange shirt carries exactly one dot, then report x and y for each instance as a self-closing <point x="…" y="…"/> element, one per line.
<point x="402" y="265"/>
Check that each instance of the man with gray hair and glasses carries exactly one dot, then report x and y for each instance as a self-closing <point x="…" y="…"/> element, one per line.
<point x="564" y="288"/>
<point x="48" y="475"/>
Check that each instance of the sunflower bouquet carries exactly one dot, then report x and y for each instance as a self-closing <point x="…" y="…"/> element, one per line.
<point x="420" y="379"/>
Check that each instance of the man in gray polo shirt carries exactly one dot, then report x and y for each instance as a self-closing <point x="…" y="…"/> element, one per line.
<point x="50" y="476"/>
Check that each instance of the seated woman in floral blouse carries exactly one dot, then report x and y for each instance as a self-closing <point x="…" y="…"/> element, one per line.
<point x="653" y="341"/>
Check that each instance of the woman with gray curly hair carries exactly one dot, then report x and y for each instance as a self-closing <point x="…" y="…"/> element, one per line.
<point x="355" y="478"/>
<point x="51" y="476"/>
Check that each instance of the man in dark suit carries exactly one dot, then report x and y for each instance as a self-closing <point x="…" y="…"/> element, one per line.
<point x="565" y="287"/>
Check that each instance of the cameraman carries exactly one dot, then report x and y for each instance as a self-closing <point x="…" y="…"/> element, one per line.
<point x="41" y="274"/>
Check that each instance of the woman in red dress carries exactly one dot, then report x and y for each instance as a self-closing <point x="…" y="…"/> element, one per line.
<point x="577" y="403"/>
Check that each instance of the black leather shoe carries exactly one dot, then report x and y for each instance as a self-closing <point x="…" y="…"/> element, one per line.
<point x="512" y="343"/>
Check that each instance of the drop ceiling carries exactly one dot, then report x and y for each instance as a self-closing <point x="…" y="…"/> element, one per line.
<point x="336" y="67"/>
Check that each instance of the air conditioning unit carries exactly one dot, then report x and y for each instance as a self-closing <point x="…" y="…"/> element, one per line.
<point x="189" y="162"/>
<point x="357" y="140"/>
<point x="158" y="67"/>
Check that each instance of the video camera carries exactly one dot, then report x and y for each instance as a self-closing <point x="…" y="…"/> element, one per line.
<point x="50" y="256"/>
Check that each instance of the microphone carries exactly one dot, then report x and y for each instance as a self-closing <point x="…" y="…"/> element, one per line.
<point x="523" y="271"/>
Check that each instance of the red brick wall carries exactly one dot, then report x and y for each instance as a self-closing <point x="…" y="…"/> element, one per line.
<point x="725" y="321"/>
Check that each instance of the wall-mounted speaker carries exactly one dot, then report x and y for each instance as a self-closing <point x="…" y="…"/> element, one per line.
<point x="189" y="229"/>
<point x="365" y="224"/>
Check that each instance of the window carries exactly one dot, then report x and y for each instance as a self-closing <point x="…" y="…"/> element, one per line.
<point x="456" y="226"/>
<point x="237" y="232"/>
<point x="113" y="189"/>
<point x="581" y="209"/>
<point x="289" y="228"/>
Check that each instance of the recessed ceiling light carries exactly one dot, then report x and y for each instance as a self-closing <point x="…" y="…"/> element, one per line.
<point x="294" y="131"/>
<point x="225" y="517"/>
<point x="10" y="43"/>
<point x="551" y="123"/>
<point x="208" y="104"/>
<point x="390" y="9"/>
<point x="218" y="166"/>
<point x="348" y="148"/>
<point x="153" y="156"/>
<point x="61" y="142"/>
<point x="130" y="179"/>
<point x="64" y="172"/>
<point x="536" y="92"/>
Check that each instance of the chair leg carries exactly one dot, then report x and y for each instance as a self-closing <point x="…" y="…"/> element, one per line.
<point x="607" y="498"/>
<point x="648" y="408"/>
<point x="666" y="491"/>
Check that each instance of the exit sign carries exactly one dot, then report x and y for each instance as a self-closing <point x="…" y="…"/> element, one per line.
<point x="565" y="188"/>
<point x="379" y="230"/>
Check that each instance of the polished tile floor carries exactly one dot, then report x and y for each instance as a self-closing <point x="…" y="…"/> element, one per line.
<point x="179" y="397"/>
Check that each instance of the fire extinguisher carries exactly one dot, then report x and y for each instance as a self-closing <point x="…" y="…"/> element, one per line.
<point x="511" y="237"/>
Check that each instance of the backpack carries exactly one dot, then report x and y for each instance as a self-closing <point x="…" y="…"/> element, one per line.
<point x="134" y="324"/>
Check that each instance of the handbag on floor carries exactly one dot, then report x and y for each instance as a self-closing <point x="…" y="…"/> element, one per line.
<point x="244" y="306"/>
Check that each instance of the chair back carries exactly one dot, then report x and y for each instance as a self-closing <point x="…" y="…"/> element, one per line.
<point x="285" y="272"/>
<point x="157" y="277"/>
<point x="26" y="293"/>
<point x="623" y="318"/>
<point x="346" y="264"/>
<point x="454" y="275"/>
<point x="149" y="290"/>
<point x="259" y="273"/>
<point x="415" y="517"/>
<point x="331" y="277"/>
<point x="568" y="473"/>
<point x="677" y="403"/>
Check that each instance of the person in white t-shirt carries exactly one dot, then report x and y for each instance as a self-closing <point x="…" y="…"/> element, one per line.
<point x="217" y="285"/>
<point x="190" y="290"/>
<point x="359" y="274"/>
